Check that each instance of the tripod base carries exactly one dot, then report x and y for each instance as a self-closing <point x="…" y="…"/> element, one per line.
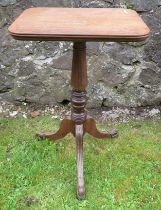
<point x="78" y="131"/>
<point x="68" y="126"/>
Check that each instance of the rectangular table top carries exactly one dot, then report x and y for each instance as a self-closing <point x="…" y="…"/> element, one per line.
<point x="88" y="24"/>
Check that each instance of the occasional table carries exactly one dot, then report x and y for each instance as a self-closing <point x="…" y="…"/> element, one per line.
<point x="79" y="25"/>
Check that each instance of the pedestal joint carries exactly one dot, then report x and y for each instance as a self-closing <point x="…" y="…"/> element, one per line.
<point x="78" y="113"/>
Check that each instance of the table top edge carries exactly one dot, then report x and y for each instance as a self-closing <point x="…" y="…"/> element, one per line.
<point x="20" y="36"/>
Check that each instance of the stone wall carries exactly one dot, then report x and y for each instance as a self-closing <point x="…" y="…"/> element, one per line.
<point x="120" y="74"/>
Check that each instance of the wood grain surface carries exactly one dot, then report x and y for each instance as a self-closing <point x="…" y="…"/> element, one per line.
<point x="73" y="24"/>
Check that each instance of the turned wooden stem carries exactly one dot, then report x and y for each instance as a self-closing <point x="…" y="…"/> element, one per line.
<point x="78" y="113"/>
<point x="79" y="83"/>
<point x="79" y="67"/>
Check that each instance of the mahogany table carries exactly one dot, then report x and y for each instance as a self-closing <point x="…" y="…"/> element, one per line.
<point x="79" y="25"/>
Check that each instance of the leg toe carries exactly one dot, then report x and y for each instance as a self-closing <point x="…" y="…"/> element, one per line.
<point x="114" y="133"/>
<point x="40" y="136"/>
<point x="80" y="193"/>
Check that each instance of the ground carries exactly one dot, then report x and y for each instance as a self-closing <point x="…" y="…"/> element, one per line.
<point x="120" y="174"/>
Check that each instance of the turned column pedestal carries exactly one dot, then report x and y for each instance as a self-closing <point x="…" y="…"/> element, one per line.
<point x="79" y="122"/>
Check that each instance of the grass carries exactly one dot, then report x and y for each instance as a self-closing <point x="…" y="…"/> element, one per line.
<point x="120" y="174"/>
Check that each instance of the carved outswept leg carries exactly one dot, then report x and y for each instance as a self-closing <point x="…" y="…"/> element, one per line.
<point x="90" y="127"/>
<point x="79" y="148"/>
<point x="66" y="126"/>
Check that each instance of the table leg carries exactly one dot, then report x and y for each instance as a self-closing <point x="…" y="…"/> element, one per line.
<point x="90" y="128"/>
<point x="79" y="146"/>
<point x="66" y="126"/>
